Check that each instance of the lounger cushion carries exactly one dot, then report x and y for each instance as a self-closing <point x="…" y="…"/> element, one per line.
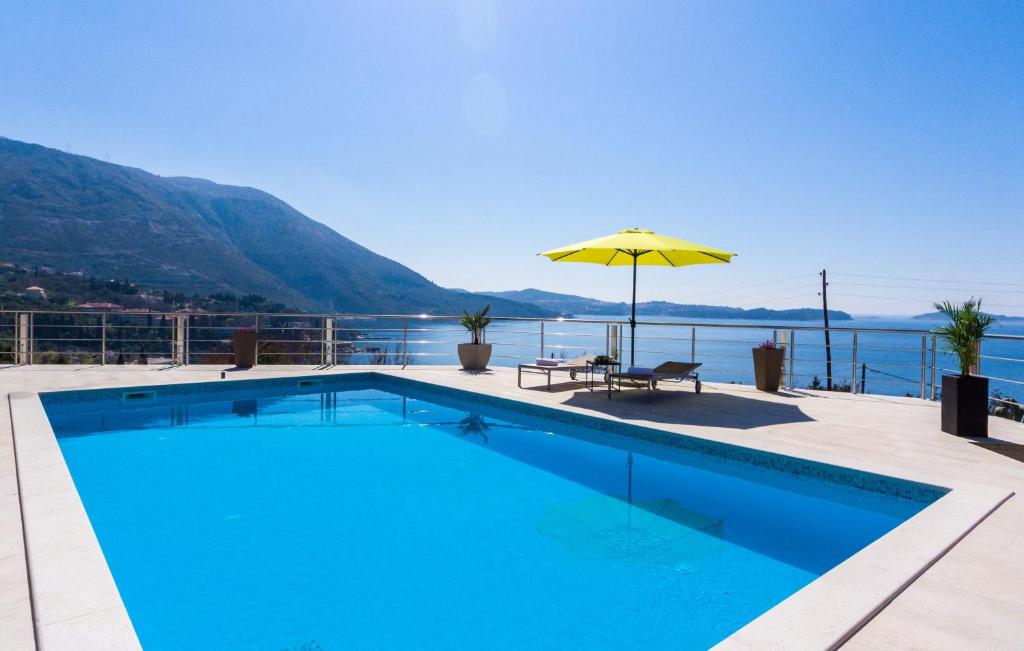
<point x="544" y="361"/>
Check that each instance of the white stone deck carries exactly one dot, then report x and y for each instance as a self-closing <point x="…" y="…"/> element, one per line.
<point x="972" y="597"/>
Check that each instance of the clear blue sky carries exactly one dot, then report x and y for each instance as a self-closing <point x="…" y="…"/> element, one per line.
<point x="879" y="138"/>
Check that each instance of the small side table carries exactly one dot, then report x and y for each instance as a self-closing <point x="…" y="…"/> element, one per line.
<point x="592" y="367"/>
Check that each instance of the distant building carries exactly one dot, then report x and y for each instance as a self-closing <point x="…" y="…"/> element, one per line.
<point x="35" y="293"/>
<point x="109" y="307"/>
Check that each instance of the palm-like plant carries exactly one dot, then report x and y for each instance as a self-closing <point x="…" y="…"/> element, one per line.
<point x="967" y="325"/>
<point x="475" y="323"/>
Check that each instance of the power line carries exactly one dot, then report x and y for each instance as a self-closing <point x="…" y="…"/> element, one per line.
<point x="743" y="287"/>
<point x="898" y="377"/>
<point x="770" y="292"/>
<point x="932" y="280"/>
<point x="884" y="298"/>
<point x="950" y="289"/>
<point x="922" y="300"/>
<point x="771" y="301"/>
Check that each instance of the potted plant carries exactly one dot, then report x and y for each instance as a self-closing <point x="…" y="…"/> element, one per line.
<point x="964" y="396"/>
<point x="243" y="343"/>
<point x="475" y="355"/>
<point x="768" y="358"/>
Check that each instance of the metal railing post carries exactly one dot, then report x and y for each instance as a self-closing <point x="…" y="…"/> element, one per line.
<point x="542" y="339"/>
<point x="21" y="337"/>
<point x="31" y="337"/>
<point x="932" y="397"/>
<point x="693" y="344"/>
<point x="256" y="328"/>
<point x="103" y="339"/>
<point x="785" y="349"/>
<point x="792" y="347"/>
<point x="177" y="340"/>
<point x="187" y="337"/>
<point x="924" y="362"/>
<point x="977" y="365"/>
<point x="853" y="373"/>
<point x="327" y="343"/>
<point x="613" y="345"/>
<point x="405" y="343"/>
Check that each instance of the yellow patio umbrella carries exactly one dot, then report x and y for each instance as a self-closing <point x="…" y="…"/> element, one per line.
<point x="635" y="246"/>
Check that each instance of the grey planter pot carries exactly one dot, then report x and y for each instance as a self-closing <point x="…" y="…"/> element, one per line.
<point x="474" y="357"/>
<point x="768" y="368"/>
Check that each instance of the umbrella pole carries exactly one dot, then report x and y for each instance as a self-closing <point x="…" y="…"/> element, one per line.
<point x="632" y="320"/>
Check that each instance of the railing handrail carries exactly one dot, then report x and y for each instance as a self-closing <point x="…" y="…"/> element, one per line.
<point x="342" y="316"/>
<point x="25" y="335"/>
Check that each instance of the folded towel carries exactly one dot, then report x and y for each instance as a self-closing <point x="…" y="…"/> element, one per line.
<point x="640" y="370"/>
<point x="544" y="361"/>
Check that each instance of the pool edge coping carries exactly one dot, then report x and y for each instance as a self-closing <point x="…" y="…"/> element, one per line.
<point x="61" y="548"/>
<point x="808" y="618"/>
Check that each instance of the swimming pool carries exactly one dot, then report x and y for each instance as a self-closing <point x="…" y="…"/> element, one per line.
<point x="361" y="511"/>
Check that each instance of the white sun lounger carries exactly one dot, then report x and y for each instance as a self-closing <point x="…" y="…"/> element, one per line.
<point x="667" y="372"/>
<point x="572" y="367"/>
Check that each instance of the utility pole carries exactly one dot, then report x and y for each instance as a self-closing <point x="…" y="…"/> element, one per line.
<point x="828" y="341"/>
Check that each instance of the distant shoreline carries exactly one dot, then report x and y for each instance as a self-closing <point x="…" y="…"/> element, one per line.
<point x="938" y="316"/>
<point x="582" y="306"/>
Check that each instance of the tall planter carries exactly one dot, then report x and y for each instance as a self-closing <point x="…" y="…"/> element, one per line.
<point x="474" y="357"/>
<point x="965" y="405"/>
<point x="243" y="343"/>
<point x="768" y="368"/>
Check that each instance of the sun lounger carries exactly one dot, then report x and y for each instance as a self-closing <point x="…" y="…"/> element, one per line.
<point x="572" y="367"/>
<point x="649" y="378"/>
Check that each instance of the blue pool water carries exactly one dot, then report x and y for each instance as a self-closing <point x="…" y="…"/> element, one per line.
<point x="366" y="513"/>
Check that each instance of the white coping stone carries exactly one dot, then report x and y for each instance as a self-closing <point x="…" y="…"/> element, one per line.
<point x="824" y="614"/>
<point x="828" y="611"/>
<point x="76" y="602"/>
<point x="16" y="628"/>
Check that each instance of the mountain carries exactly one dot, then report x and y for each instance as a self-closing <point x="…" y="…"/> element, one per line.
<point x="580" y="306"/>
<point x="74" y="213"/>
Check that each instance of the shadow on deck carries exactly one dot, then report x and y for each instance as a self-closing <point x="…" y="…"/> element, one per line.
<point x="708" y="409"/>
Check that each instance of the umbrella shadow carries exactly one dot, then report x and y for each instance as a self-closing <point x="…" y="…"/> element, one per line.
<point x="707" y="409"/>
<point x="556" y="387"/>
